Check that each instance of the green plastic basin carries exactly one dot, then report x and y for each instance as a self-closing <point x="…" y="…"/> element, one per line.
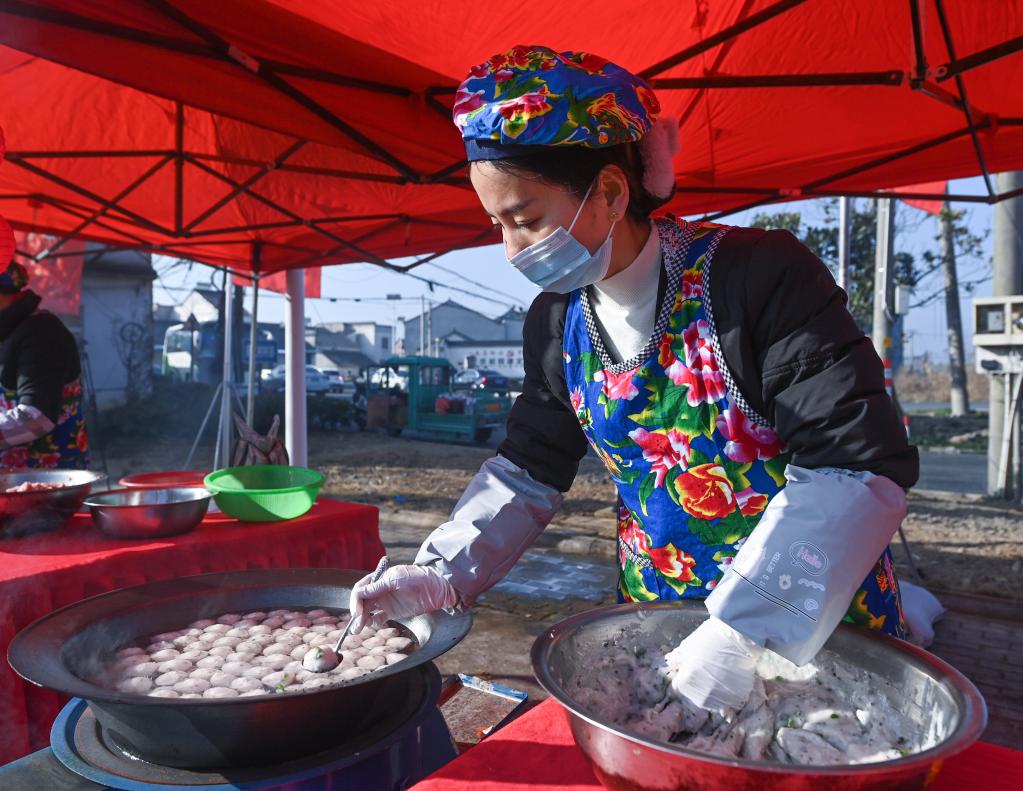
<point x="264" y="493"/>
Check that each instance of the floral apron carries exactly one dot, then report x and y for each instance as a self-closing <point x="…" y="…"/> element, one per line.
<point x="65" y="447"/>
<point x="693" y="472"/>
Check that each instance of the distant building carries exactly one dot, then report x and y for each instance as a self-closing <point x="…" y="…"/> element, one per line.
<point x="469" y="339"/>
<point x="375" y="341"/>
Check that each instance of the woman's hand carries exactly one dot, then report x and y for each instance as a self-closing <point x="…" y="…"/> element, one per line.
<point x="402" y="591"/>
<point x="713" y="667"/>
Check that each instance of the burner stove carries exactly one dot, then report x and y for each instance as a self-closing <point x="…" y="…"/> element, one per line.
<point x="392" y="755"/>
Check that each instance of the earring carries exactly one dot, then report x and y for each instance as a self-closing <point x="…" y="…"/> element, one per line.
<point x="614" y="216"/>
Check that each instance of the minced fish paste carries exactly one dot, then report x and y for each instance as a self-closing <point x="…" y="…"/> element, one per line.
<point x="824" y="713"/>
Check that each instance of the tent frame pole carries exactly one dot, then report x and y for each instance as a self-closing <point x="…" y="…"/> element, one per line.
<point x="295" y="427"/>
<point x="250" y="403"/>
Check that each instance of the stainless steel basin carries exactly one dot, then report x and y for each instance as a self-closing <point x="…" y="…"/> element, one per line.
<point x="933" y="695"/>
<point x="148" y="513"/>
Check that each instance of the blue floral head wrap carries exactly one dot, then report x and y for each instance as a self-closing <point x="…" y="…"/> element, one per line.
<point x="532" y="97"/>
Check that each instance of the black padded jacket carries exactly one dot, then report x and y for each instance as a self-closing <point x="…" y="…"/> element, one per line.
<point x="794" y="351"/>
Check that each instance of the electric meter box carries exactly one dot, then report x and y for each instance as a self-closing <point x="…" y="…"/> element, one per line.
<point x="998" y="334"/>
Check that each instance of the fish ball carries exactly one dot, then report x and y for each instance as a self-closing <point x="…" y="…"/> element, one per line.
<point x="277" y="648"/>
<point x="205" y="673"/>
<point x="165" y="654"/>
<point x="388" y="632"/>
<point x="194" y="655"/>
<point x="240" y="657"/>
<point x="192" y="686"/>
<point x="255" y="616"/>
<point x="373" y="642"/>
<point x="222" y="679"/>
<point x="137" y="685"/>
<point x="223" y="651"/>
<point x="273" y="621"/>
<point x="159" y="646"/>
<point x="201" y="623"/>
<point x="278" y="679"/>
<point x="277" y="613"/>
<point x="257" y="671"/>
<point x="399" y="643"/>
<point x="277" y="661"/>
<point x="132" y="650"/>
<point x="297" y="623"/>
<point x="220" y="692"/>
<point x="249" y="647"/>
<point x="380" y="650"/>
<point x="393" y="659"/>
<point x="353" y="673"/>
<point x="235" y="668"/>
<point x="299" y="651"/>
<point x="217" y="628"/>
<point x="317" y="660"/>
<point x="253" y="692"/>
<point x="371" y="662"/>
<point x="228" y="641"/>
<point x="352" y="641"/>
<point x="260" y="629"/>
<point x="246" y="684"/>
<point x="144" y="669"/>
<point x="317" y="613"/>
<point x="229" y="618"/>
<point x="165" y="637"/>
<point x="163" y="692"/>
<point x="211" y="661"/>
<point x="239" y="632"/>
<point x="175" y="664"/>
<point x="170" y="678"/>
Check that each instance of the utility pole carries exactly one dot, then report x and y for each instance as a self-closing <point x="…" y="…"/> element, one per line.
<point x="1007" y="280"/>
<point x="884" y="286"/>
<point x="429" y="327"/>
<point x="843" y="243"/>
<point x="958" y="396"/>
<point x="422" y="323"/>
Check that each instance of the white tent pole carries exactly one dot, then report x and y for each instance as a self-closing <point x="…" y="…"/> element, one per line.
<point x="223" y="453"/>
<point x="250" y="404"/>
<point x="294" y="374"/>
<point x="843" y="243"/>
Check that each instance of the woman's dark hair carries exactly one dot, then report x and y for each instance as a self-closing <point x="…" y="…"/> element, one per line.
<point x="576" y="167"/>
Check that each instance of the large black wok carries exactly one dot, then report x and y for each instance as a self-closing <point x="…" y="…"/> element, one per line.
<point x="61" y="650"/>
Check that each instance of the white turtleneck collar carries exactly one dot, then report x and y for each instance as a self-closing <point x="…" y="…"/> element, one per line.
<point x="624" y="304"/>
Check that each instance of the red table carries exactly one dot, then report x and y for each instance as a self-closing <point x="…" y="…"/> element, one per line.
<point x="41" y="573"/>
<point x="536" y="751"/>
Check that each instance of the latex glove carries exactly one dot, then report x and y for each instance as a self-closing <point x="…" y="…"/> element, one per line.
<point x="714" y="667"/>
<point x="402" y="591"/>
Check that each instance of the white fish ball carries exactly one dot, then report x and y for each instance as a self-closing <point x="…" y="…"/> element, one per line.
<point x="388" y="632"/>
<point x="137" y="685"/>
<point x="294" y="666"/>
<point x="165" y="654"/>
<point x="205" y="673"/>
<point x="373" y="642"/>
<point x="228" y="641"/>
<point x="399" y="643"/>
<point x="238" y="632"/>
<point x="277" y="613"/>
<point x="211" y="661"/>
<point x="260" y="629"/>
<point x="352" y="641"/>
<point x="299" y="651"/>
<point x="371" y="662"/>
<point x="380" y="650"/>
<point x="217" y="628"/>
<point x="175" y="664"/>
<point x="277" y="661"/>
<point x="393" y="659"/>
<point x="322" y="628"/>
<point x="223" y="651"/>
<point x="273" y="621"/>
<point x="160" y="646"/>
<point x="353" y="673"/>
<point x="257" y="672"/>
<point x="220" y="692"/>
<point x="246" y="684"/>
<point x="194" y="655"/>
<point x="255" y="616"/>
<point x="249" y="647"/>
<point x="192" y="686"/>
<point x="317" y="660"/>
<point x="222" y="679"/>
<point x="297" y="623"/>
<point x="240" y="657"/>
<point x="201" y="623"/>
<point x="229" y="618"/>
<point x="235" y="668"/>
<point x="144" y="669"/>
<point x="170" y="678"/>
<point x="165" y="636"/>
<point x="317" y="613"/>
<point x="132" y="650"/>
<point x="293" y="688"/>
<point x="163" y="692"/>
<point x="277" y="648"/>
<point x="278" y="679"/>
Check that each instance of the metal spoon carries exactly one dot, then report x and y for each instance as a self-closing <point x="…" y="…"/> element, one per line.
<point x="322" y="659"/>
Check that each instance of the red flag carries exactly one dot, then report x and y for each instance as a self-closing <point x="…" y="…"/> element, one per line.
<point x="277" y="282"/>
<point x="57" y="280"/>
<point x="929" y="206"/>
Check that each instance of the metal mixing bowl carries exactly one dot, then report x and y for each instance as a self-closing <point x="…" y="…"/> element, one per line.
<point x="148" y="513"/>
<point x="22" y="513"/>
<point x="932" y="694"/>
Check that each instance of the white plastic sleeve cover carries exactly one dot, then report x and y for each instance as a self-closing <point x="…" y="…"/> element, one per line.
<point x="794" y="577"/>
<point x="501" y="513"/>
<point x="22" y="424"/>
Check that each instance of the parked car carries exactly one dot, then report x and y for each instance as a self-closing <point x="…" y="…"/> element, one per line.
<point x="315" y="380"/>
<point x="482" y="379"/>
<point x="337" y="379"/>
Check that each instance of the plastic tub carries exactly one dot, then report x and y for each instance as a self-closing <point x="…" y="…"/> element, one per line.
<point x="264" y="493"/>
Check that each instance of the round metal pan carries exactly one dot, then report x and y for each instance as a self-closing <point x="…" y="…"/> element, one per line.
<point x="62" y="650"/>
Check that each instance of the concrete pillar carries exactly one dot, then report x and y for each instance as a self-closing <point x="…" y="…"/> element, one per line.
<point x="1007" y="280"/>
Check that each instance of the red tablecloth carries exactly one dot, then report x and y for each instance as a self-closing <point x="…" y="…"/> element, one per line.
<point x="41" y="573"/>
<point x="537" y="752"/>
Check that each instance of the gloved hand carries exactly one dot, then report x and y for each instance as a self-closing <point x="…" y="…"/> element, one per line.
<point x="714" y="667"/>
<point x="402" y="591"/>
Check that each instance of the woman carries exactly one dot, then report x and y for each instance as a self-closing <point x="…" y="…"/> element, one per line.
<point x="715" y="371"/>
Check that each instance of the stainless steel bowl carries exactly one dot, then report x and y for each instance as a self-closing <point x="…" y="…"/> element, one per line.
<point x="932" y="694"/>
<point x="22" y="513"/>
<point x="148" y="513"/>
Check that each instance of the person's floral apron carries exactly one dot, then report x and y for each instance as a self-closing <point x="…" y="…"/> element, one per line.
<point x="66" y="447"/>
<point x="693" y="472"/>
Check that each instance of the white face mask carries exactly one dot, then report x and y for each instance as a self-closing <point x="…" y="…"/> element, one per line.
<point x="560" y="263"/>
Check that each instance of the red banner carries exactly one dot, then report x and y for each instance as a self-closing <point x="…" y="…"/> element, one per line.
<point x="57" y="280"/>
<point x="277" y="281"/>
<point x="929" y="206"/>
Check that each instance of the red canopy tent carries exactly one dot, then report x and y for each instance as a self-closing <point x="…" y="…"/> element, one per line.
<point x="285" y="134"/>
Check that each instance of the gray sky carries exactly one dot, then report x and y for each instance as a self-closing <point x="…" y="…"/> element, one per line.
<point x="487" y="265"/>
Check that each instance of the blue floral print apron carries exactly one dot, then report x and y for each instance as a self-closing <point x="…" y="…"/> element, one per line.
<point x="65" y="447"/>
<point x="693" y="472"/>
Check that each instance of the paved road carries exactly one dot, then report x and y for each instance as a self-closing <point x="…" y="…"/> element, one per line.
<point x="963" y="473"/>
